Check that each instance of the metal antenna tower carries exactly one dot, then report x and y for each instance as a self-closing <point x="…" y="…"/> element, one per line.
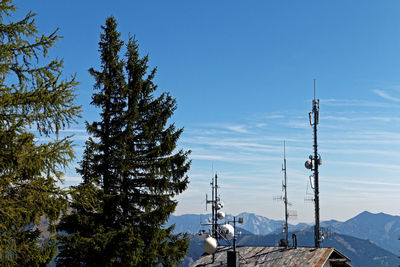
<point x="215" y="215"/>
<point x="312" y="164"/>
<point x="215" y="206"/>
<point x="285" y="200"/>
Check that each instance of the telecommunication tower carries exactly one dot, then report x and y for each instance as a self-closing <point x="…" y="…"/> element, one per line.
<point x="312" y="164"/>
<point x="216" y="205"/>
<point x="285" y="200"/>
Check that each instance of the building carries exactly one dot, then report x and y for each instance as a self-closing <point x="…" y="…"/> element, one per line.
<point x="276" y="257"/>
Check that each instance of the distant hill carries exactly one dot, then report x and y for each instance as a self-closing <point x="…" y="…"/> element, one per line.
<point x="382" y="229"/>
<point x="368" y="239"/>
<point x="188" y="223"/>
<point x="363" y="253"/>
<point x="256" y="224"/>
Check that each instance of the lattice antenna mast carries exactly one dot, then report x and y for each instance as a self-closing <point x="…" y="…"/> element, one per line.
<point x="211" y="242"/>
<point x="215" y="206"/>
<point x="285" y="200"/>
<point x="312" y="164"/>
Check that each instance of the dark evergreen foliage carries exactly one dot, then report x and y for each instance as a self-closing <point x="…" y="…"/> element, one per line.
<point x="33" y="98"/>
<point x="131" y="169"/>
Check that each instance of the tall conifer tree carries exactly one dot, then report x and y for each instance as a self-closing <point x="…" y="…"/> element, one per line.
<point x="33" y="99"/>
<point x="131" y="169"/>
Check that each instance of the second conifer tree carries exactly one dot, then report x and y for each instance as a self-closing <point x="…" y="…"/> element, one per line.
<point x="131" y="169"/>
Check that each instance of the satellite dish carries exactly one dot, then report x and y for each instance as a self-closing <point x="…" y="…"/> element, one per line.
<point x="221" y="215"/>
<point x="220" y="205"/>
<point x="210" y="245"/>
<point x="320" y="161"/>
<point x="227" y="231"/>
<point x="308" y="164"/>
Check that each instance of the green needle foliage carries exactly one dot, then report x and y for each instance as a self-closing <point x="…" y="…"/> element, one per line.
<point x="131" y="169"/>
<point x="33" y="98"/>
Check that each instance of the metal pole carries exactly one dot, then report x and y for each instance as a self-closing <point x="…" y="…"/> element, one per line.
<point x="212" y="208"/>
<point x="316" y="183"/>
<point x="216" y="207"/>
<point x="286" y="199"/>
<point x="234" y="234"/>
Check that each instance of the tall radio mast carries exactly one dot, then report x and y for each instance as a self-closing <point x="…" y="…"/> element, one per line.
<point x="312" y="164"/>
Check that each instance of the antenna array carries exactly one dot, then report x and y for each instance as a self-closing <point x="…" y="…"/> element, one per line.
<point x="312" y="164"/>
<point x="216" y="205"/>
<point x="284" y="198"/>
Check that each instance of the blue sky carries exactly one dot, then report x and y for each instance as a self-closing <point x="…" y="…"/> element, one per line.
<point x="242" y="73"/>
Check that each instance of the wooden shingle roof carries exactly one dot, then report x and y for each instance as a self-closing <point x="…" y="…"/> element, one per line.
<point x="278" y="257"/>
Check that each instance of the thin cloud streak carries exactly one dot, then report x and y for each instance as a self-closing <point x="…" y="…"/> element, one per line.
<point x="350" y="180"/>
<point x="237" y="128"/>
<point x="367" y="164"/>
<point x="354" y="103"/>
<point x="385" y="95"/>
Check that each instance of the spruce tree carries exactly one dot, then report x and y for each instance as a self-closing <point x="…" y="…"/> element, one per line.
<point x="35" y="104"/>
<point x="131" y="169"/>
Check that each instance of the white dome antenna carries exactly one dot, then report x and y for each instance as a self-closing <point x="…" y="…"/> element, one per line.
<point x="210" y="245"/>
<point x="227" y="231"/>
<point x="221" y="215"/>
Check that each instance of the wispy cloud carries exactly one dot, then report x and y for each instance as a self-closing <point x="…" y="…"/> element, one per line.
<point x="364" y="118"/>
<point x="304" y="124"/>
<point x="367" y="164"/>
<point x="206" y="156"/>
<point x="237" y="128"/>
<point x="280" y="116"/>
<point x="359" y="180"/>
<point x="248" y="144"/>
<point x="241" y="158"/>
<point x="352" y="151"/>
<point x="385" y="95"/>
<point x="331" y="102"/>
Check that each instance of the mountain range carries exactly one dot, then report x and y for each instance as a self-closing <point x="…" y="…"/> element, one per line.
<point x="381" y="229"/>
<point x="256" y="224"/>
<point x="368" y="239"/>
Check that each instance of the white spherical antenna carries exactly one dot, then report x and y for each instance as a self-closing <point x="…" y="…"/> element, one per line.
<point x="227" y="231"/>
<point x="221" y="215"/>
<point x="308" y="164"/>
<point x="210" y="245"/>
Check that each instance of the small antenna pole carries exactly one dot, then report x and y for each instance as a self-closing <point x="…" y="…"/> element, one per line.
<point x="314" y="90"/>
<point x="212" y="208"/>
<point x="215" y="221"/>
<point x="286" y="198"/>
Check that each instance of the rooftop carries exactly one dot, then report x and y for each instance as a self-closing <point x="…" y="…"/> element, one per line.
<point x="278" y="256"/>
